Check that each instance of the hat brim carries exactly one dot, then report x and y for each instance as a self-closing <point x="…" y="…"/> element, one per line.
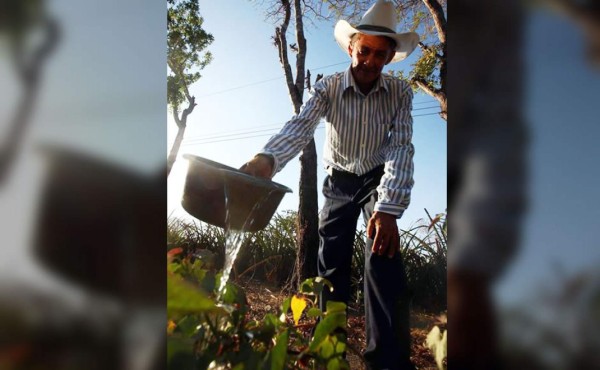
<point x="405" y="42"/>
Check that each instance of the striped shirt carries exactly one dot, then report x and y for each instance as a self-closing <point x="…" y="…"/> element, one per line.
<point x="362" y="132"/>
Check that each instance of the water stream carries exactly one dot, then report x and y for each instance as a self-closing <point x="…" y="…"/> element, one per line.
<point x="234" y="239"/>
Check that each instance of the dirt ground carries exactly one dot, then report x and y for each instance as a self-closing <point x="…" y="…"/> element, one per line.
<point x="263" y="299"/>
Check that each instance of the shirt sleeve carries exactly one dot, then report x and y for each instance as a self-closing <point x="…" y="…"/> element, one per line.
<point x="397" y="181"/>
<point x="298" y="131"/>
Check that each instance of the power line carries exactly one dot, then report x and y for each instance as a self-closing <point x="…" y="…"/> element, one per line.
<point x="254" y="130"/>
<point x="263" y="81"/>
<point x="278" y="78"/>
<point x="226" y="138"/>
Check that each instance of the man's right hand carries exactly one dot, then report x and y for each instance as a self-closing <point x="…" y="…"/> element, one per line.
<point x="259" y="166"/>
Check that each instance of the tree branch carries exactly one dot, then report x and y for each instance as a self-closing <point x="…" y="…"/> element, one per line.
<point x="281" y="42"/>
<point x="438" y="94"/>
<point x="437" y="12"/>
<point x="301" y="57"/>
<point x="425" y="87"/>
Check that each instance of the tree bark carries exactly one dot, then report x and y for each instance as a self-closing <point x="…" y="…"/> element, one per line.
<point x="438" y="95"/>
<point x="308" y="216"/>
<point x="181" y="125"/>
<point x="175" y="149"/>
<point x="437" y="13"/>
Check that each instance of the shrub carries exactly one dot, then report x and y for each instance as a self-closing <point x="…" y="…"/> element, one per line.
<point x="268" y="255"/>
<point x="206" y="331"/>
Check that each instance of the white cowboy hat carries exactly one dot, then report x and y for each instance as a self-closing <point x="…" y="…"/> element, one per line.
<point x="379" y="20"/>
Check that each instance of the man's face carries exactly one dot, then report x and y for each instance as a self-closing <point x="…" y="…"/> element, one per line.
<point x="369" y="55"/>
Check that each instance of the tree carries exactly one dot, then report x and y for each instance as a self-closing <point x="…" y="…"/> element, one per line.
<point x="308" y="240"/>
<point x="426" y="17"/>
<point x="23" y="22"/>
<point x="186" y="40"/>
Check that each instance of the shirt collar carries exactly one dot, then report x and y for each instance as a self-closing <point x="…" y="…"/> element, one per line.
<point x="348" y="82"/>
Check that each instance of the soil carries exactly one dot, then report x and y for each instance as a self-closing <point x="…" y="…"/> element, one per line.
<point x="264" y="299"/>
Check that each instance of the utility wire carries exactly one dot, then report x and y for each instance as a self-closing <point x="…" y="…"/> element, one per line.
<point x="267" y="134"/>
<point x="273" y="79"/>
<point x="263" y="81"/>
<point x="254" y="130"/>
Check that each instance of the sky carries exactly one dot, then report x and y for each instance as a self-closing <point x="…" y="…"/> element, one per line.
<point x="243" y="91"/>
<point x="560" y="234"/>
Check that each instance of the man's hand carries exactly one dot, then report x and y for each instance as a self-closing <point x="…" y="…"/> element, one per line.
<point x="382" y="228"/>
<point x="259" y="166"/>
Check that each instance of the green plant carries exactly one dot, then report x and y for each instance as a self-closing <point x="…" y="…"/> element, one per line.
<point x="424" y="248"/>
<point x="206" y="331"/>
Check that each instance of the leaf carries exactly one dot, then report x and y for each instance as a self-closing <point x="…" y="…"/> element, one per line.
<point x="435" y="221"/>
<point x="333" y="306"/>
<point x="170" y="327"/>
<point x="279" y="352"/>
<point x="314" y="312"/>
<point x="175" y="251"/>
<point x="314" y="286"/>
<point x="337" y="363"/>
<point x="327" y="348"/>
<point x="298" y="306"/>
<point x="187" y="325"/>
<point x="327" y="326"/>
<point x="285" y="306"/>
<point x="184" y="298"/>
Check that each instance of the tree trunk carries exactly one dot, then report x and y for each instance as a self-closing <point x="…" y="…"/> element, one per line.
<point x="308" y="216"/>
<point x="307" y="224"/>
<point x="181" y="124"/>
<point x="308" y="211"/>
<point x="175" y="149"/>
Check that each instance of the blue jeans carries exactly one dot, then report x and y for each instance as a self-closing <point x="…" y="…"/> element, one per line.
<point x="386" y="301"/>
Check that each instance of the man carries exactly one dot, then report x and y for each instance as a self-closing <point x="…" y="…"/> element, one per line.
<point x="369" y="159"/>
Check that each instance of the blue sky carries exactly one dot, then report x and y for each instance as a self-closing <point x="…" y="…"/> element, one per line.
<point x="244" y="55"/>
<point x="562" y="93"/>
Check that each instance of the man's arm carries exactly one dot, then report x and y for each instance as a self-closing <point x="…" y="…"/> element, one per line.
<point x="292" y="138"/>
<point x="396" y="182"/>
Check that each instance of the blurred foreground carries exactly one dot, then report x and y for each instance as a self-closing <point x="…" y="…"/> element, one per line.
<point x="82" y="185"/>
<point x="522" y="283"/>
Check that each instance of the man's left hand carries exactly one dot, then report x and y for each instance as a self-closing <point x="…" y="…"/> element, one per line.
<point x="382" y="228"/>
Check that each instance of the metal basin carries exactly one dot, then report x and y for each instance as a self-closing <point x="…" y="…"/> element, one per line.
<point x="223" y="196"/>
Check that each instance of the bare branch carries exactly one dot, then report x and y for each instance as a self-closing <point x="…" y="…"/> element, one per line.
<point x="437" y="94"/>
<point x="425" y="87"/>
<point x="301" y="57"/>
<point x="437" y="12"/>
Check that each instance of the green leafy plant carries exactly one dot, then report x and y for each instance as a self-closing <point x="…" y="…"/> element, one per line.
<point x="424" y="248"/>
<point x="266" y="255"/>
<point x="207" y="331"/>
